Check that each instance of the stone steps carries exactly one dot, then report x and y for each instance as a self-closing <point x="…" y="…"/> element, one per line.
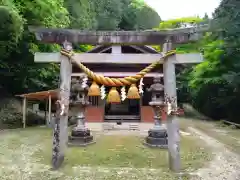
<point x="108" y="126"/>
<point x="134" y="127"/>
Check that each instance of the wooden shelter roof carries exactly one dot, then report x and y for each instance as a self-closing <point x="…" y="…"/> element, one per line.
<point x="41" y="95"/>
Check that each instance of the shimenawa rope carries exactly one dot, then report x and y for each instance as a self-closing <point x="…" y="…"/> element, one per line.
<point x="116" y="82"/>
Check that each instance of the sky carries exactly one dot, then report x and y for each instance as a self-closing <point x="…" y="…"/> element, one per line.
<point x="171" y="9"/>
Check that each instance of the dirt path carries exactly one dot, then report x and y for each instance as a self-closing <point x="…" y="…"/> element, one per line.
<point x="225" y="165"/>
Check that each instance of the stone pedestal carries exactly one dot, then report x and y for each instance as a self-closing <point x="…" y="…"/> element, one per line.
<point x="157" y="136"/>
<point x="80" y="135"/>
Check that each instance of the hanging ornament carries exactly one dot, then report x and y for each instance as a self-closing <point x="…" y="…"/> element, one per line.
<point x="169" y="108"/>
<point x="123" y="93"/>
<point x="113" y="96"/>
<point x="171" y="105"/>
<point x="103" y="93"/>
<point x="84" y="82"/>
<point x="62" y="107"/>
<point x="133" y="92"/>
<point x="94" y="90"/>
<point x="140" y="87"/>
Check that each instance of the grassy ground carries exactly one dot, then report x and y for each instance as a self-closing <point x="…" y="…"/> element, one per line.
<point x="26" y="154"/>
<point x="225" y="134"/>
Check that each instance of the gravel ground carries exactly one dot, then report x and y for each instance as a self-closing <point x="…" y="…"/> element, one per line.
<point x="224" y="166"/>
<point x="20" y="165"/>
<point x="17" y="163"/>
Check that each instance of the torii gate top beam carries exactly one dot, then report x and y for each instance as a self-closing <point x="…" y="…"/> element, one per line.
<point x="176" y="36"/>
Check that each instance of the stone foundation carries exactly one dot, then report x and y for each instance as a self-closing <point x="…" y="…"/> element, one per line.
<point x="157" y="137"/>
<point x="80" y="137"/>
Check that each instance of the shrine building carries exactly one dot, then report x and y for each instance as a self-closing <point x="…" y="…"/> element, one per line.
<point x="129" y="110"/>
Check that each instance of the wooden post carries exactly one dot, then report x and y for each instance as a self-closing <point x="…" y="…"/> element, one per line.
<point x="140" y="107"/>
<point x="172" y="124"/>
<point x="24" y="111"/>
<point x="60" y="133"/>
<point x="49" y="109"/>
<point x="45" y="110"/>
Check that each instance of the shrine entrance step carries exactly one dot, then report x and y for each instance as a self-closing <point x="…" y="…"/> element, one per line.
<point x="134" y="127"/>
<point x="124" y="126"/>
<point x="122" y="118"/>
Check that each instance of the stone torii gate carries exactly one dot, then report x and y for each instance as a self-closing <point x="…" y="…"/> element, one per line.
<point x="164" y="38"/>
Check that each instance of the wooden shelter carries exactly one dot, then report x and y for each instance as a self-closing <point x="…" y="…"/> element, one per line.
<point x="47" y="96"/>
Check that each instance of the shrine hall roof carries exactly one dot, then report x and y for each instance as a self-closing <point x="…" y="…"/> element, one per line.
<point x="142" y="48"/>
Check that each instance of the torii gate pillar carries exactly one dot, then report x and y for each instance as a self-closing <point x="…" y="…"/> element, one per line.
<point x="172" y="125"/>
<point x="60" y="131"/>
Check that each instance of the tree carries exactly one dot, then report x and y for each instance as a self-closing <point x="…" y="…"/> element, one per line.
<point x="21" y="74"/>
<point x="139" y="16"/>
<point x="177" y="23"/>
<point x="82" y="14"/>
<point x="11" y="30"/>
<point x="183" y="76"/>
<point x="108" y="13"/>
<point x="215" y="82"/>
<point x="206" y="81"/>
<point x="111" y="15"/>
<point x="227" y="17"/>
<point x="205" y="17"/>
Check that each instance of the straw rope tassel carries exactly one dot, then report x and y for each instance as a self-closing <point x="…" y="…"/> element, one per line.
<point x="133" y="92"/>
<point x="94" y="90"/>
<point x="113" y="96"/>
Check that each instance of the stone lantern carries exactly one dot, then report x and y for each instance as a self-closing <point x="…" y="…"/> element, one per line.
<point x="157" y="136"/>
<point x="80" y="135"/>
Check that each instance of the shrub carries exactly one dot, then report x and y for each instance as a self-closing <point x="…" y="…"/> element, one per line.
<point x="11" y="115"/>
